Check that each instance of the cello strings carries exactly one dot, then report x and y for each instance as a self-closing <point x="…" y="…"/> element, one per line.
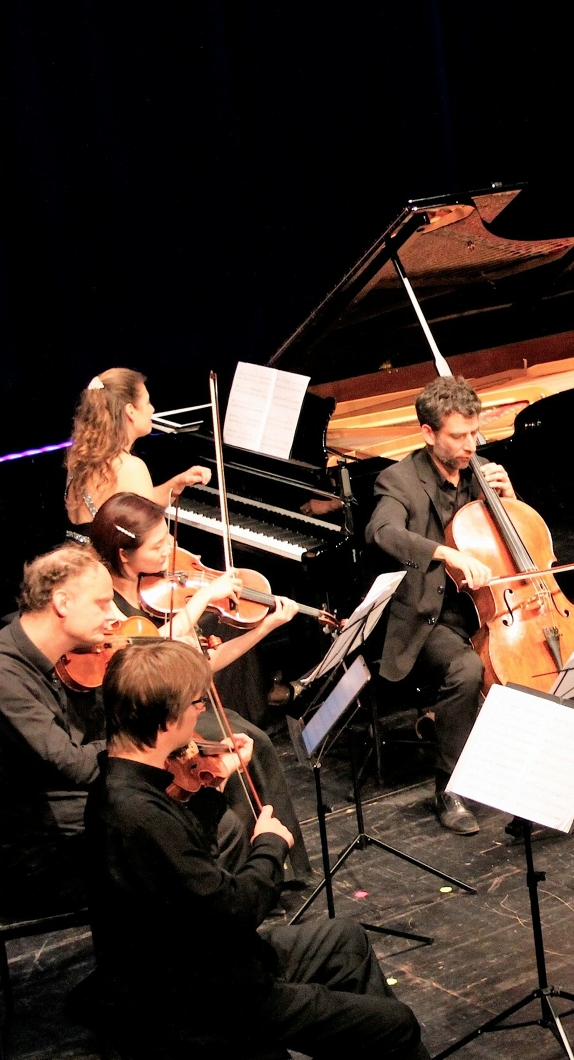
<point x="542" y="597"/>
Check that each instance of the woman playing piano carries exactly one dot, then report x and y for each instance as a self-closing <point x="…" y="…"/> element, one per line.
<point x="130" y="534"/>
<point x="113" y="412"/>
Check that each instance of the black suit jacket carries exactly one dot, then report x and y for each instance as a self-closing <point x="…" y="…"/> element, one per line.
<point x="406" y="525"/>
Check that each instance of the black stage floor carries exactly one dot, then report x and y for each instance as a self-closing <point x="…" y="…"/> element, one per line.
<point x="482" y="958"/>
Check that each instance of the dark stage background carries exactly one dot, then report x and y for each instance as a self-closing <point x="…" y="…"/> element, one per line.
<point x="182" y="183"/>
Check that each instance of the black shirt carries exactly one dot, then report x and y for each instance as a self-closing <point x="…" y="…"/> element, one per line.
<point x="171" y="928"/>
<point x="458" y="611"/>
<point x="450" y="497"/>
<point x="49" y="742"/>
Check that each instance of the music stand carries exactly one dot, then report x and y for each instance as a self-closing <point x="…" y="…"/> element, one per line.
<point x="317" y="731"/>
<point x="179" y="421"/>
<point x="563" y="686"/>
<point x="525" y="767"/>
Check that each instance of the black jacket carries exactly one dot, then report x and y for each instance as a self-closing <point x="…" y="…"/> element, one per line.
<point x="407" y="526"/>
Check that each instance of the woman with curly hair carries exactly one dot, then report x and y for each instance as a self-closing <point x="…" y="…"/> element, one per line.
<point x="113" y="412"/>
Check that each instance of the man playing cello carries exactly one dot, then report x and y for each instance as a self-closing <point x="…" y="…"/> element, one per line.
<point x="430" y="623"/>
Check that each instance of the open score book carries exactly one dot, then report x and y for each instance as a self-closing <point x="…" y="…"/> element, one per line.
<point x="518" y="757"/>
<point x="263" y="409"/>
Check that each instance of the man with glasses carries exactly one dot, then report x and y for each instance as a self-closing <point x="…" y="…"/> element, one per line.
<point x="176" y="936"/>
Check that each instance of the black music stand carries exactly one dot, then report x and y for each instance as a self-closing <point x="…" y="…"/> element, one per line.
<point x="179" y="421"/>
<point x="467" y="780"/>
<point x="543" y="992"/>
<point x="353" y="635"/>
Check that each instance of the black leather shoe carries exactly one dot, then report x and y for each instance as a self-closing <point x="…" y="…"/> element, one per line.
<point x="454" y="814"/>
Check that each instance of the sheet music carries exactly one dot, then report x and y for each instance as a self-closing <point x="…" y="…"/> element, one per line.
<point x="359" y="624"/>
<point x="345" y="691"/>
<point x="518" y="758"/>
<point x="263" y="409"/>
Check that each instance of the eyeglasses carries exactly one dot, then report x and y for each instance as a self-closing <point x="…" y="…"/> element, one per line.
<point x="196" y="702"/>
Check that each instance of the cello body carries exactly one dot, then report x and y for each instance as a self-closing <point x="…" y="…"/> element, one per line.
<point x="526" y="628"/>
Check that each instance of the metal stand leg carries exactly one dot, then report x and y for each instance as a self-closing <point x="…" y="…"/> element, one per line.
<point x="361" y="842"/>
<point x="548" y="1018"/>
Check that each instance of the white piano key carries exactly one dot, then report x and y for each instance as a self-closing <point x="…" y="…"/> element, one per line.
<point x="240" y="534"/>
<point x="305" y="520"/>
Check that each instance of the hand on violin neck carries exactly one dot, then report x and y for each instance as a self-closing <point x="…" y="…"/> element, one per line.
<point x="266" y="822"/>
<point x="284" y="611"/>
<point x="475" y="574"/>
<point x="498" y="479"/>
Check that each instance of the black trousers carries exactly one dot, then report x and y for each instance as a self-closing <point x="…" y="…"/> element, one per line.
<point x="451" y="661"/>
<point x="329" y="999"/>
<point x="331" y="996"/>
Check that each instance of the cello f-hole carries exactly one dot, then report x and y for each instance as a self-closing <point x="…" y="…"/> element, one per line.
<point x="510" y="619"/>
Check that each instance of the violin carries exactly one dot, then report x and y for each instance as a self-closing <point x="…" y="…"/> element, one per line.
<point x="168" y="592"/>
<point x="83" y="669"/>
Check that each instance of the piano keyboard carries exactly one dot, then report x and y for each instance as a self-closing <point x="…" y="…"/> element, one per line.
<point x="290" y="537"/>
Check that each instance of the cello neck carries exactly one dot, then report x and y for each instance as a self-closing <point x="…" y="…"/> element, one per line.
<point x="504" y="523"/>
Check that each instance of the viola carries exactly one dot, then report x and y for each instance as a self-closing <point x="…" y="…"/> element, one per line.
<point x="198" y="764"/>
<point x="168" y="592"/>
<point x="83" y="669"/>
<point x="526" y="623"/>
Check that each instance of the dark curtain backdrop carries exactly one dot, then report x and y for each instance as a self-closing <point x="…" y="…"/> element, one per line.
<point x="181" y="183"/>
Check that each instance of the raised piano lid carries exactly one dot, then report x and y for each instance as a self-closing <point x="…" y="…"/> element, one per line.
<point x="499" y="306"/>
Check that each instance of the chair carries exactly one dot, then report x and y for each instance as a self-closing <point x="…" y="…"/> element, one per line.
<point x="399" y="716"/>
<point x="16" y="929"/>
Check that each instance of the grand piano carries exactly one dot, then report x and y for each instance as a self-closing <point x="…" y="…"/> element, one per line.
<point x="484" y="279"/>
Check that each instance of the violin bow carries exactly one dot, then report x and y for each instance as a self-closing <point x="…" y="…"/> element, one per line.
<point x="173" y="502"/>
<point x="220" y="471"/>
<point x="244" y="777"/>
<point x="524" y="574"/>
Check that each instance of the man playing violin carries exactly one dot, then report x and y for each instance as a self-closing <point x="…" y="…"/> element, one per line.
<point x="131" y="537"/>
<point x="430" y="623"/>
<point x="50" y="737"/>
<point x="176" y="937"/>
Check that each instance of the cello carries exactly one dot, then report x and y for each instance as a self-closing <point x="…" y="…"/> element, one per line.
<point x="526" y="624"/>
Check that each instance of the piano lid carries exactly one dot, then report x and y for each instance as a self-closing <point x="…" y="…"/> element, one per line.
<point x="477" y="288"/>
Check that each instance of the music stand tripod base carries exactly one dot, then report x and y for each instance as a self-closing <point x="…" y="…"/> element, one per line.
<point x="361" y="841"/>
<point x="543" y="992"/>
